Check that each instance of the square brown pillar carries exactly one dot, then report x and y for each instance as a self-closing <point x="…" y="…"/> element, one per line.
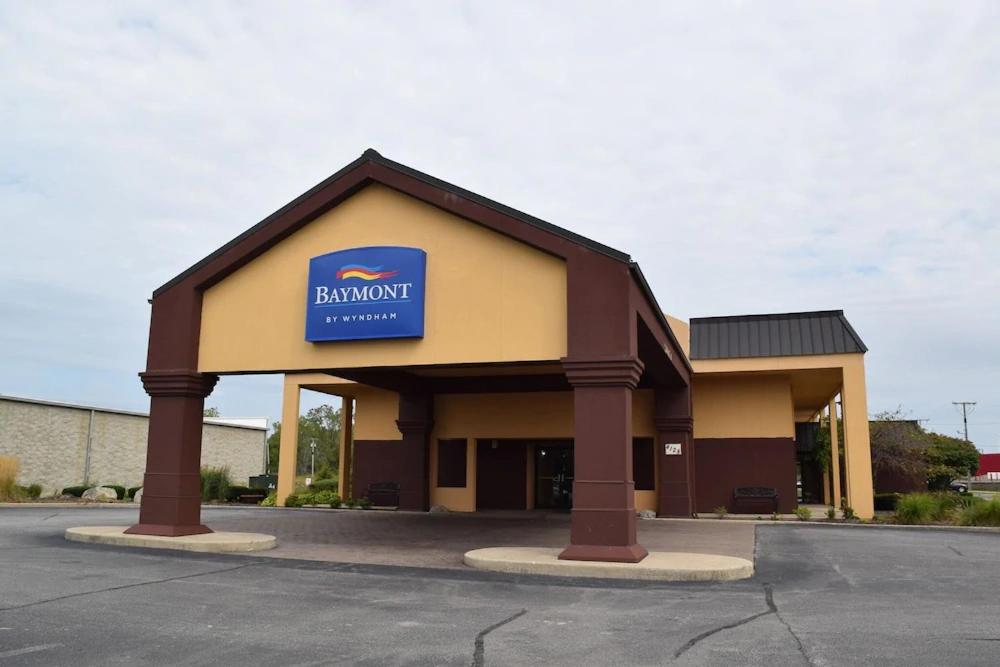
<point x="603" y="520"/>
<point x="416" y="412"/>
<point x="171" y="491"/>
<point x="674" y="430"/>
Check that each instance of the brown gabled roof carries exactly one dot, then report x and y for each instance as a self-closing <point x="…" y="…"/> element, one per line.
<point x="372" y="167"/>
<point x="373" y="156"/>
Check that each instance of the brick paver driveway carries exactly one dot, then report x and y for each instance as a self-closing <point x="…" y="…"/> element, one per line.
<point x="440" y="540"/>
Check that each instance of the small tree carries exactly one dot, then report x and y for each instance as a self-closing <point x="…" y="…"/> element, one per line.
<point x="321" y="424"/>
<point x="897" y="446"/>
<point x="211" y="412"/>
<point x="949" y="458"/>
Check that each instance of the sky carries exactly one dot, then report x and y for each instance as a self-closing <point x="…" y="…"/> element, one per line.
<point x="752" y="157"/>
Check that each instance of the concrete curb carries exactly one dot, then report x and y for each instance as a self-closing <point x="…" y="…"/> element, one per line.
<point x="890" y="526"/>
<point x="65" y="505"/>
<point x="841" y="524"/>
<point x="657" y="566"/>
<point x="207" y="543"/>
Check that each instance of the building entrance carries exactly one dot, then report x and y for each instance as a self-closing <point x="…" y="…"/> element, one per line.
<point x="554" y="474"/>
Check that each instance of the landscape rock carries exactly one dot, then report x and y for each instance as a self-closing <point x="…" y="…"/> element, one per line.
<point x="137" y="497"/>
<point x="646" y="514"/>
<point x="439" y="509"/>
<point x="101" y="494"/>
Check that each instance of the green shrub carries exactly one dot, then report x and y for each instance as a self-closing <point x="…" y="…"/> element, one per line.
<point x="307" y="498"/>
<point x="848" y="511"/>
<point x="981" y="513"/>
<point x="131" y="491"/>
<point x="293" y="500"/>
<point x="270" y="501"/>
<point x="720" y="511"/>
<point x="335" y="501"/>
<point x="364" y="503"/>
<point x="325" y="485"/>
<point x="29" y="492"/>
<point x="233" y="493"/>
<point x="74" y="490"/>
<point x="922" y="508"/>
<point x="347" y="502"/>
<point x="804" y="513"/>
<point x="214" y="483"/>
<point x="119" y="490"/>
<point x="323" y="497"/>
<point x="831" y="513"/>
<point x="886" y="502"/>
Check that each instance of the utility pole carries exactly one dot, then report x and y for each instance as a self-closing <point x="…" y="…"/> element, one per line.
<point x="965" y="425"/>
<point x="965" y="414"/>
<point x="312" y="463"/>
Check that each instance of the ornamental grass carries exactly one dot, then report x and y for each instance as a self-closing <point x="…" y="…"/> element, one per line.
<point x="985" y="513"/>
<point x="8" y="473"/>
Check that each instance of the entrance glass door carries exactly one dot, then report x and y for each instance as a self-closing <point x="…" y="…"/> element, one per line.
<point x="554" y="475"/>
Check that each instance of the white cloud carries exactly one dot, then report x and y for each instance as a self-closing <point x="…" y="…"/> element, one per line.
<point x="753" y="157"/>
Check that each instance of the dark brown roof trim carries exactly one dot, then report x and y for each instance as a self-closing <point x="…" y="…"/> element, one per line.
<point x="648" y="292"/>
<point x="373" y="156"/>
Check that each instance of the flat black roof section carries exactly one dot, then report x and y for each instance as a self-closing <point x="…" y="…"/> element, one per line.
<point x="778" y="335"/>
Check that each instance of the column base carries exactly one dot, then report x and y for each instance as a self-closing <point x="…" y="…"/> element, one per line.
<point x="609" y="554"/>
<point x="167" y="530"/>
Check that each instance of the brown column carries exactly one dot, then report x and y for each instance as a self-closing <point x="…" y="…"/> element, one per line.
<point x="171" y="493"/>
<point x="603" y="521"/>
<point x="674" y="426"/>
<point x="415" y="421"/>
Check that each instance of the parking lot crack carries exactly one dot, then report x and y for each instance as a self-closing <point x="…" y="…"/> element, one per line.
<point x="479" y="653"/>
<point x="694" y="641"/>
<point x="769" y="596"/>
<point x="123" y="587"/>
<point x="772" y="608"/>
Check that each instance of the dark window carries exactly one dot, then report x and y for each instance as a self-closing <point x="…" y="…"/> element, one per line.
<point x="451" y="462"/>
<point x="643" y="464"/>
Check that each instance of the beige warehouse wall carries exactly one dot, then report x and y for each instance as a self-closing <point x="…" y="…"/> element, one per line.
<point x="743" y="406"/>
<point x="489" y="298"/>
<point x="50" y="442"/>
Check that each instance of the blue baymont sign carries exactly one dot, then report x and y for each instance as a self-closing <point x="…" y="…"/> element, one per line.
<point x="364" y="293"/>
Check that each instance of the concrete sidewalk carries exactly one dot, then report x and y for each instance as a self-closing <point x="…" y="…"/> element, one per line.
<point x="440" y="540"/>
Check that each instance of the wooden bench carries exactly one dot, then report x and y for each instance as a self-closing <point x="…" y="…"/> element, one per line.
<point x="755" y="494"/>
<point x="383" y="494"/>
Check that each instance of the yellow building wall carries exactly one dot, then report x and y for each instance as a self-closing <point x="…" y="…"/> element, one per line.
<point x="743" y="406"/>
<point x="481" y="416"/>
<point x="488" y="298"/>
<point x="375" y="414"/>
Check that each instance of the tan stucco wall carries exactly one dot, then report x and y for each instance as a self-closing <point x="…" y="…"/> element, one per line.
<point x="529" y="415"/>
<point x="488" y="298"/>
<point x="682" y="332"/>
<point x="50" y="442"/>
<point x="375" y="414"/>
<point x="743" y="406"/>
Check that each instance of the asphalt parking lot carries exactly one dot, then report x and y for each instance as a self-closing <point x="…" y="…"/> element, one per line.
<point x="821" y="596"/>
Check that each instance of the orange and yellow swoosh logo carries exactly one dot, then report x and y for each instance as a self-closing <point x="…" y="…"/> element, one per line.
<point x="364" y="272"/>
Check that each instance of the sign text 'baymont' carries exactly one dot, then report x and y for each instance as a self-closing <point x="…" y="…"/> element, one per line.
<point x="362" y="293"/>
